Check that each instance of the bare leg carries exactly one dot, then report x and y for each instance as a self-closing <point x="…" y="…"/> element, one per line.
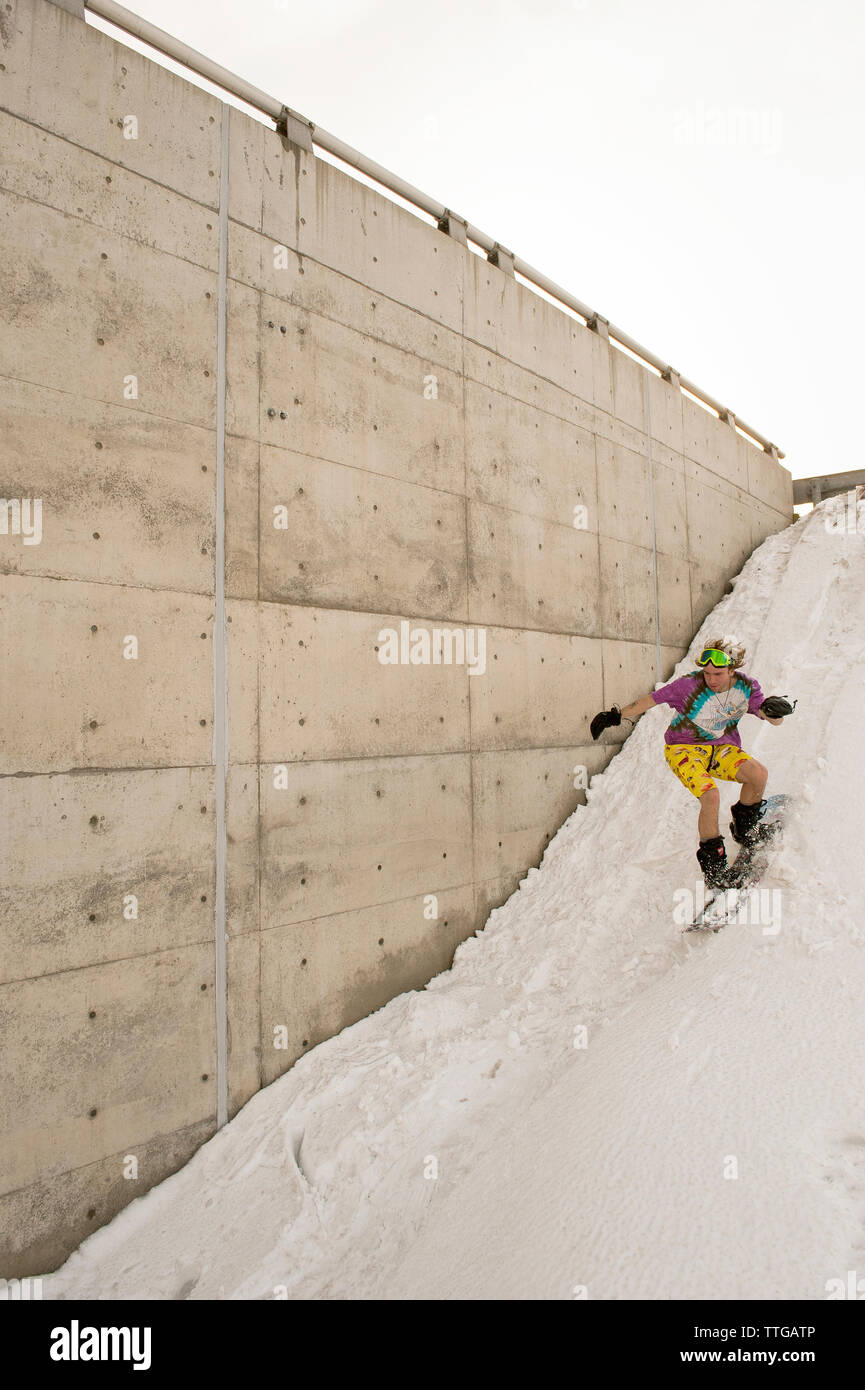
<point x="707" y="825"/>
<point x="753" y="777"/>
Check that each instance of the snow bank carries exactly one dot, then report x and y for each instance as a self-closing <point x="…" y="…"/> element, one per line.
<point x="707" y="1141"/>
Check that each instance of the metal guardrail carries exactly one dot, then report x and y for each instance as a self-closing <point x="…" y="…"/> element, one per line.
<point x="306" y="133"/>
<point x="829" y="485"/>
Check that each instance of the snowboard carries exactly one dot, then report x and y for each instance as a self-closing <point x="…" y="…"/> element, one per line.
<point x="747" y="869"/>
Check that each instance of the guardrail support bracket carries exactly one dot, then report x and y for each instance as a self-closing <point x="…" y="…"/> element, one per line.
<point x="454" y="226"/>
<point x="502" y="258"/>
<point x="295" y="128"/>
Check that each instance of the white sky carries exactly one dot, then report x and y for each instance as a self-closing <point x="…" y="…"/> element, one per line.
<point x="692" y="171"/>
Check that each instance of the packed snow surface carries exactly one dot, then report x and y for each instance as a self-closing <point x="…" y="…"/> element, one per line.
<point x="589" y="1103"/>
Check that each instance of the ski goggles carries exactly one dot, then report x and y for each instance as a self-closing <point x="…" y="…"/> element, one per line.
<point x="717" y="658"/>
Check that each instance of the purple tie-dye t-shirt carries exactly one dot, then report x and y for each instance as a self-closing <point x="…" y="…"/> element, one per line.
<point x="703" y="716"/>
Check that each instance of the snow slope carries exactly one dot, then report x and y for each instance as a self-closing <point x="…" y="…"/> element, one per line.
<point x="708" y="1141"/>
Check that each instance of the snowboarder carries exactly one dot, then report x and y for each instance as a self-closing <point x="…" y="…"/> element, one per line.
<point x="702" y="741"/>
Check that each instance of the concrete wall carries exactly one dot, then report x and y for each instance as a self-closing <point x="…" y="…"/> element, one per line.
<point x="446" y="502"/>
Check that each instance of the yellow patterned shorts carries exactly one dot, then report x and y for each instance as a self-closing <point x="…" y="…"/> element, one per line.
<point x="695" y="764"/>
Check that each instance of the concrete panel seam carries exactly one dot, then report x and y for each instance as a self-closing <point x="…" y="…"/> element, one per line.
<point x="102" y="964"/>
<point x="96" y="1162"/>
<point x="654" y="537"/>
<point x="529" y="371"/>
<point x="598" y="559"/>
<point x="98" y="400"/>
<point x="109" y="231"/>
<point x="100" y="771"/>
<point x="467" y="572"/>
<point x="150" y="179"/>
<point x="439" y="324"/>
<point x="374" y="473"/>
<point x="376" y="903"/>
<point x="315" y="313"/>
<point x="147" y="588"/>
<point x="458" y="752"/>
<point x="220" y="648"/>
<point x="424" y="619"/>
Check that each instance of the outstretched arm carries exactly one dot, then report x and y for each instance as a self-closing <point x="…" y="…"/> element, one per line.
<point x="608" y="718"/>
<point x="639" y="707"/>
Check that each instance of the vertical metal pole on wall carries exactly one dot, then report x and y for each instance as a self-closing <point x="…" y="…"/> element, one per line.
<point x="220" y="649"/>
<point x="658" y="675"/>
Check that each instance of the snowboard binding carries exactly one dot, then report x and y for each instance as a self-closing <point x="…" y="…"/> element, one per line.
<point x="712" y="858"/>
<point x="747" y="869"/>
<point x="745" y="827"/>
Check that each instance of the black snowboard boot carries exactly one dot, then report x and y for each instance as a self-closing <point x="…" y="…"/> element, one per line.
<point x="745" y="825"/>
<point x="712" y="858"/>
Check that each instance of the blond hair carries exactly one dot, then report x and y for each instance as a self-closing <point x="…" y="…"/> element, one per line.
<point x="729" y="644"/>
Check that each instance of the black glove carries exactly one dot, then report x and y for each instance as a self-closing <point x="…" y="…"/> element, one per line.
<point x="776" y="706"/>
<point x="605" y="719"/>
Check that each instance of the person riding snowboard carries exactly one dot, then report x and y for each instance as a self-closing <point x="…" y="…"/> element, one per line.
<point x="702" y="741"/>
